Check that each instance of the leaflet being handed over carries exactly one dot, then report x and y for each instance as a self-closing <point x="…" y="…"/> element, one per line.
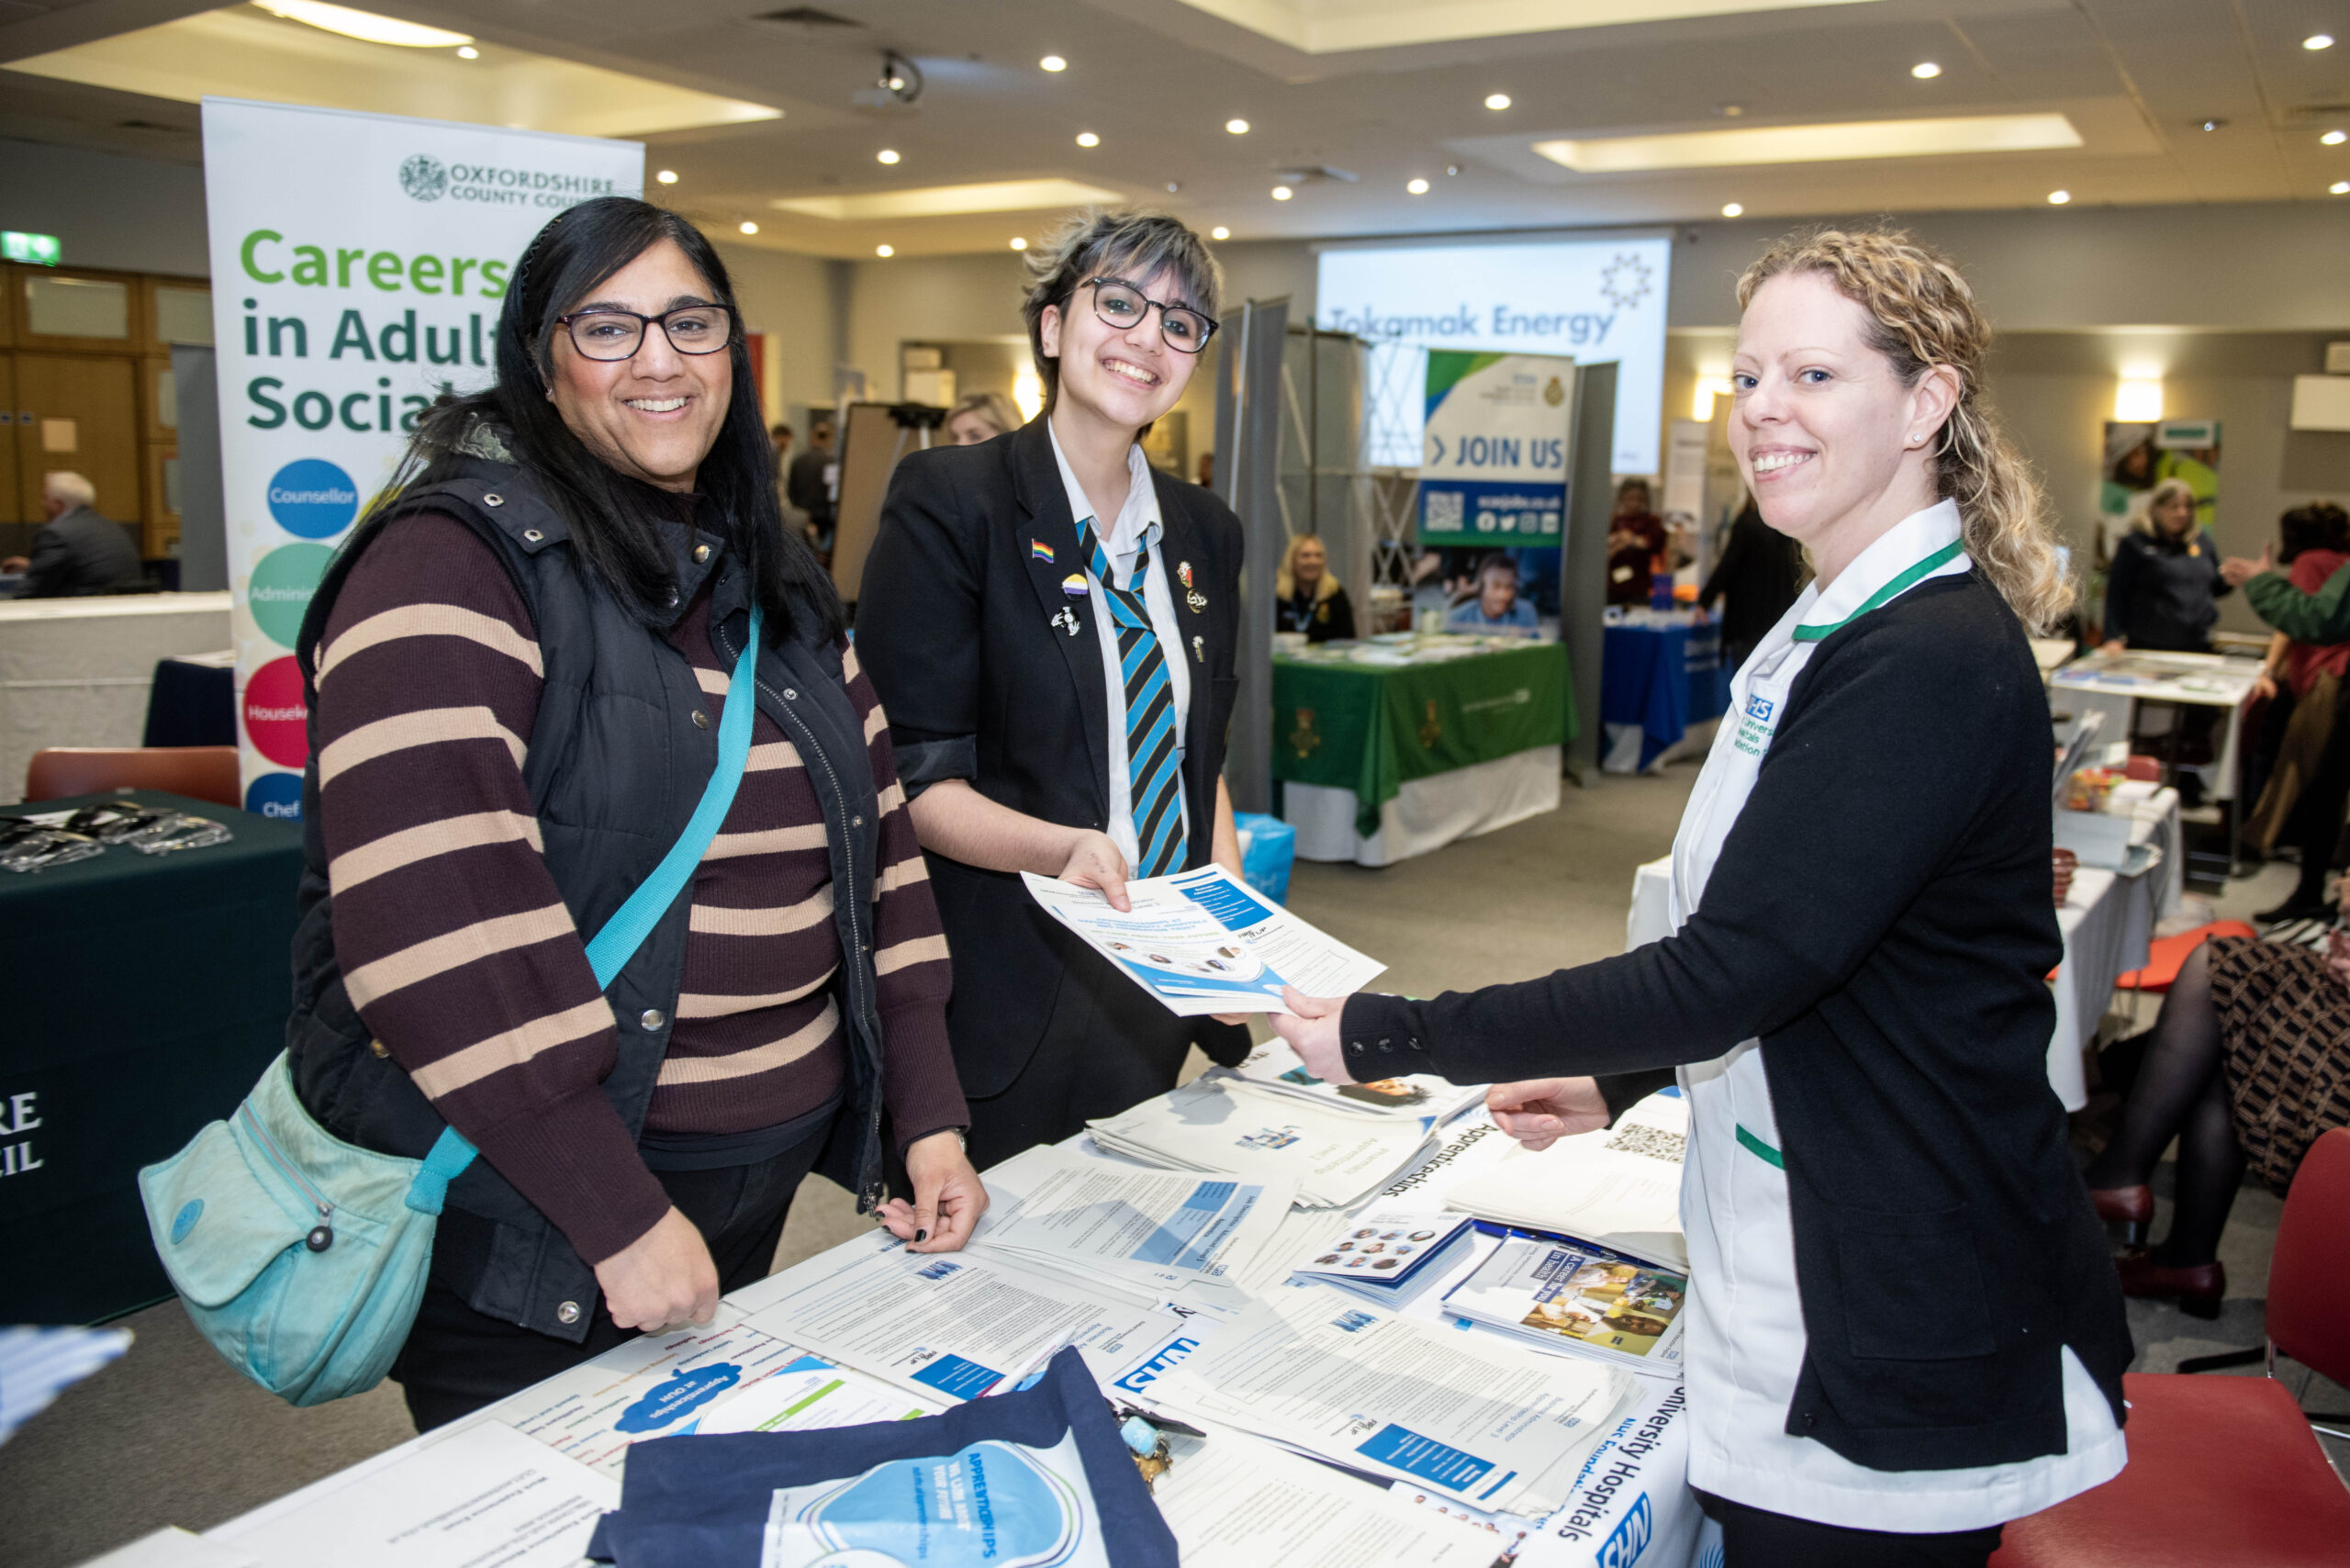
<point x="1203" y="942"/>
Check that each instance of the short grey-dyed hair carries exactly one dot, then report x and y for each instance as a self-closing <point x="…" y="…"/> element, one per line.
<point x="69" y="488"/>
<point x="1114" y="243"/>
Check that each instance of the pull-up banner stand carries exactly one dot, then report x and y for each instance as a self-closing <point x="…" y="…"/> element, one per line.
<point x="359" y="262"/>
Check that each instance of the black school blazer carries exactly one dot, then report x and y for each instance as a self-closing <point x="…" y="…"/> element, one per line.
<point x="960" y="624"/>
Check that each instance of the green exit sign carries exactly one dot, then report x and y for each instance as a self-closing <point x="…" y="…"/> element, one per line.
<point x="42" y="250"/>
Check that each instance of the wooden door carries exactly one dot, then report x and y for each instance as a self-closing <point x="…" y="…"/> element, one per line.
<point x="12" y="507"/>
<point x="83" y="415"/>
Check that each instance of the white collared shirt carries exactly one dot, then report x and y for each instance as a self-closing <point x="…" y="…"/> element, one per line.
<point x="1137" y="523"/>
<point x="1746" y="1338"/>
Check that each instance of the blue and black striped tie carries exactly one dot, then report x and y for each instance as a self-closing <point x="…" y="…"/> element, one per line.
<point x="1154" y="777"/>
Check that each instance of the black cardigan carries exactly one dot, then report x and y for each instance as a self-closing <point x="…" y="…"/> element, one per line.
<point x="1880" y="916"/>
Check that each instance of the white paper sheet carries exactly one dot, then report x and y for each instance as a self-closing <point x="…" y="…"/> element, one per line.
<point x="658" y="1386"/>
<point x="1337" y="1158"/>
<point x="1075" y="1210"/>
<point x="1235" y="1501"/>
<point x="1619" y="1186"/>
<point x="1276" y="1067"/>
<point x="1485" y="1423"/>
<point x="946" y="1327"/>
<point x="809" y="1393"/>
<point x="483" y="1495"/>
<point x="1203" y="942"/>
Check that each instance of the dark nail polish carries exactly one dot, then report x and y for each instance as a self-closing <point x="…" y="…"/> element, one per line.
<point x="921" y="1236"/>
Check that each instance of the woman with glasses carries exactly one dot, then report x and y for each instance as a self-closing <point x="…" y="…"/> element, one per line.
<point x="1051" y="624"/>
<point x="519" y="666"/>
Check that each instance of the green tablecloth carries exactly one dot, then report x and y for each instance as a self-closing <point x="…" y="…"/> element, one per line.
<point x="148" y="993"/>
<point x="1372" y="729"/>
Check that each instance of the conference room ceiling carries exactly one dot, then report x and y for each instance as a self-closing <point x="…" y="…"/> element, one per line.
<point x="1346" y="129"/>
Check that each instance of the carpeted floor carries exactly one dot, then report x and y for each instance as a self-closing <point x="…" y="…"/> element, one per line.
<point x="169" y="1435"/>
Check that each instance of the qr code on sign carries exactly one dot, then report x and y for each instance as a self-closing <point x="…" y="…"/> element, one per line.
<point x="1654" y="1142"/>
<point x="1442" y="510"/>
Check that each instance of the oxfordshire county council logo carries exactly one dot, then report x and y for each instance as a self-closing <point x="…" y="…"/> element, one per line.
<point x="1625" y="283"/>
<point x="424" y="178"/>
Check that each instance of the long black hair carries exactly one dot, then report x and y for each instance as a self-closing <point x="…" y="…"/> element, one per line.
<point x="612" y="517"/>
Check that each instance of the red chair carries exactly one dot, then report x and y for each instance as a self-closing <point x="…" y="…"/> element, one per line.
<point x="199" y="772"/>
<point x="2165" y="955"/>
<point x="2223" y="1472"/>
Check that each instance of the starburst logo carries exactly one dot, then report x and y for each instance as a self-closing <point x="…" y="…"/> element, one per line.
<point x="1626" y="282"/>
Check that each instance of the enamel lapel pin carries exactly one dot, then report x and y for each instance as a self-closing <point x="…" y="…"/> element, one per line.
<point x="1191" y="595"/>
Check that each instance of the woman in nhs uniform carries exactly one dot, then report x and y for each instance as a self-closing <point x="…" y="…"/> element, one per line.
<point x="1905" y="1329"/>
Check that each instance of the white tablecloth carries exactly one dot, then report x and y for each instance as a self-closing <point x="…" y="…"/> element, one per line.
<point x="1426" y="814"/>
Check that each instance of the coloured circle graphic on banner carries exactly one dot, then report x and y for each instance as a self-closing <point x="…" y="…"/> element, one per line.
<point x="275" y="795"/>
<point x="276" y="719"/>
<point x="312" y="497"/>
<point x="282" y="585"/>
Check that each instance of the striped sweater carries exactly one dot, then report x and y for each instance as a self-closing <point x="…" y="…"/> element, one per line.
<point x="459" y="954"/>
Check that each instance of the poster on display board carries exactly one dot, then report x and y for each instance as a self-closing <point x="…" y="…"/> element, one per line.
<point x="359" y="262"/>
<point x="2139" y="455"/>
<point x="1494" y="449"/>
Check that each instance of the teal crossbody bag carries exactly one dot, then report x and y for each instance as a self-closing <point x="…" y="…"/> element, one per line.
<point x="303" y="1258"/>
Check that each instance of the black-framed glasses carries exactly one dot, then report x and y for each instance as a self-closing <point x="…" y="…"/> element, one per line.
<point x="609" y="334"/>
<point x="1121" y="305"/>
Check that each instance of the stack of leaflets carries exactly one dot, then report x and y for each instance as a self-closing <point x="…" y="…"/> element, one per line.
<point x="1477" y="1420"/>
<point x="1336" y="1158"/>
<point x="1205" y="942"/>
<point x="1564" y="1295"/>
<point x="1275" y="1067"/>
<point x="1066" y="1209"/>
<point x="1620" y="1186"/>
<point x="1385" y="1250"/>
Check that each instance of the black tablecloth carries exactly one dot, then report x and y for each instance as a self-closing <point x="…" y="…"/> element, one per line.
<point x="147" y="994"/>
<point x="191" y="704"/>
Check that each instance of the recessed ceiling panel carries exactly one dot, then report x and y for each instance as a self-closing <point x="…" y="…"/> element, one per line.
<point x="1335" y="26"/>
<point x="1812" y="143"/>
<point x="244" y="54"/>
<point x="948" y="201"/>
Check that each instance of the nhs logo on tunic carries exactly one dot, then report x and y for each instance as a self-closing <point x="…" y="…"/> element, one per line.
<point x="1759" y="708"/>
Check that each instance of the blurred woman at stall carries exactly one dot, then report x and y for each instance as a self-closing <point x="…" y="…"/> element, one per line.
<point x="518" y="666"/>
<point x="1635" y="544"/>
<point x="1904" y="1327"/>
<point x="1760" y="571"/>
<point x="2163" y="590"/>
<point x="2303" y="683"/>
<point x="981" y="416"/>
<point x="1053" y="626"/>
<point x="1307" y="597"/>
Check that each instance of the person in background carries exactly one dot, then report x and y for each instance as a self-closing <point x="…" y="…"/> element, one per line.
<point x="2303" y="685"/>
<point x="2248" y="1062"/>
<point x="810" y="487"/>
<point x="981" y="416"/>
<point x="2162" y="592"/>
<point x="1206" y="477"/>
<point x="1307" y="597"/>
<point x="517" y="668"/>
<point x="81" y="552"/>
<point x="1494" y="609"/>
<point x="781" y="436"/>
<point x="1053" y="625"/>
<point x="1635" y="541"/>
<point x="1903" y="1327"/>
<point x="1760" y="573"/>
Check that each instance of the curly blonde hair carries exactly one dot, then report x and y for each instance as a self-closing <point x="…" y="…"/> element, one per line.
<point x="1922" y="314"/>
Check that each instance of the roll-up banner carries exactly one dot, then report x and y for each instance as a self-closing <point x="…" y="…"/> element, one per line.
<point x="359" y="262"/>
<point x="1494" y="461"/>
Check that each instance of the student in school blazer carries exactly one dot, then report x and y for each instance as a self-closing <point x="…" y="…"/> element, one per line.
<point x="977" y="621"/>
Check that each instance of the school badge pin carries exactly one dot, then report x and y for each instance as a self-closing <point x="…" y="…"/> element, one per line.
<point x="1184" y="572"/>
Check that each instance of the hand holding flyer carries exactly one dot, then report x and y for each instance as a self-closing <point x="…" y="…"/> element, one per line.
<point x="1203" y="942"/>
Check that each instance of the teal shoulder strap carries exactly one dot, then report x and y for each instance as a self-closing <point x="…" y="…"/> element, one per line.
<point x="610" y="950"/>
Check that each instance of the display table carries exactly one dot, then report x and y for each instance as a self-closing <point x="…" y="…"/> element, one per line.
<point x="1657" y="678"/>
<point x="79" y="671"/>
<point x="151" y="992"/>
<point x="1388" y="750"/>
<point x="2107" y="920"/>
<point x="2114" y="684"/>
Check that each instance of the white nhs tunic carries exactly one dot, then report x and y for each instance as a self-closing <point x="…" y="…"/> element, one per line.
<point x="1745" y="1341"/>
